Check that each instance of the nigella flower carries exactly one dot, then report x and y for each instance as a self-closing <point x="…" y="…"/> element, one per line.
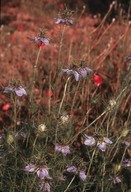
<point x="45" y="186"/>
<point x="65" y="21"/>
<point x="40" y="40"/>
<point x="19" y="91"/>
<point x="71" y="169"/>
<point x="30" y="168"/>
<point x="89" y="141"/>
<point x="127" y="163"/>
<point x="81" y="173"/>
<point x="43" y="173"/>
<point x="102" y="144"/>
<point x="116" y="179"/>
<point x="63" y="149"/>
<point x="8" y="89"/>
<point x="78" y="72"/>
<point x="72" y="72"/>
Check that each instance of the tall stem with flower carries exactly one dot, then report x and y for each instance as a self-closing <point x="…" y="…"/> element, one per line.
<point x="61" y="43"/>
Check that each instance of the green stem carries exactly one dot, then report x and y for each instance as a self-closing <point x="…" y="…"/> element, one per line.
<point x="63" y="96"/>
<point x="61" y="42"/>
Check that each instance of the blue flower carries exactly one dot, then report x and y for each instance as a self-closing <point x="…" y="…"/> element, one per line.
<point x="19" y="91"/>
<point x="39" y="39"/>
<point x="78" y="72"/>
<point x="63" y="149"/>
<point x="42" y="40"/>
<point x="65" y="21"/>
<point x="43" y="173"/>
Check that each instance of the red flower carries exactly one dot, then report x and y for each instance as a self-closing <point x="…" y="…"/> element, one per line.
<point x="20" y="27"/>
<point x="97" y="80"/>
<point x="40" y="44"/>
<point x="5" y="107"/>
<point x="49" y="93"/>
<point x="61" y="6"/>
<point x="11" y="38"/>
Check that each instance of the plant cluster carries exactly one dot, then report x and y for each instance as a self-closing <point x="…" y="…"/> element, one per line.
<point x="67" y="130"/>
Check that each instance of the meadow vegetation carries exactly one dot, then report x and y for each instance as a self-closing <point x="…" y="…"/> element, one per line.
<point x="64" y="100"/>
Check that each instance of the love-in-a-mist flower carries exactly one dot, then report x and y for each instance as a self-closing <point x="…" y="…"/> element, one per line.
<point x="40" y="40"/>
<point x="82" y="175"/>
<point x="89" y="141"/>
<point x="63" y="149"/>
<point x="30" y="168"/>
<point x="8" y="89"/>
<point x="127" y="163"/>
<point x="116" y="179"/>
<point x="78" y="72"/>
<point x="97" y="80"/>
<point x="19" y="91"/>
<point x="65" y="21"/>
<point x="73" y="169"/>
<point x="45" y="186"/>
<point x="43" y="173"/>
<point x="102" y="144"/>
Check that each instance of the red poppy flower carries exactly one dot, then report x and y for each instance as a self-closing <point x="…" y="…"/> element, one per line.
<point x="11" y="38"/>
<point x="49" y="93"/>
<point x="20" y="27"/>
<point x="97" y="80"/>
<point x="5" y="107"/>
<point x="40" y="44"/>
<point x="61" y="6"/>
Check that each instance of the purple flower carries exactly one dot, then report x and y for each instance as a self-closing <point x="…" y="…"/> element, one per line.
<point x="41" y="39"/>
<point x="65" y="21"/>
<point x="43" y="173"/>
<point x="116" y="179"/>
<point x="8" y="89"/>
<point x="82" y="175"/>
<point x="63" y="149"/>
<point x="20" y="91"/>
<point x="102" y="145"/>
<point x="107" y="140"/>
<point x="127" y="163"/>
<point x="21" y="134"/>
<point x="89" y="141"/>
<point x="84" y="71"/>
<point x="30" y="168"/>
<point x="45" y="186"/>
<point x="77" y="73"/>
<point x="71" y="169"/>
<point x="72" y="72"/>
<point x="58" y="147"/>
